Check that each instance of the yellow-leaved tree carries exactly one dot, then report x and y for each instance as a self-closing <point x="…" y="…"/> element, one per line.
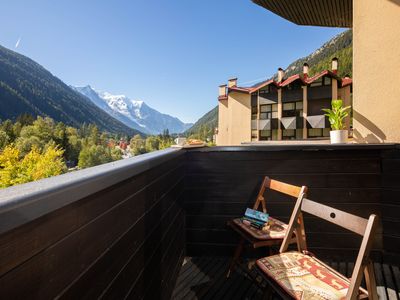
<point x="35" y="165"/>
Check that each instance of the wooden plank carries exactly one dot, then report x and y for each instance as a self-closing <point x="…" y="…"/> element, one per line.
<point x="215" y="274"/>
<point x="336" y="180"/>
<point x="293" y="166"/>
<point x="190" y="288"/>
<point x="396" y="278"/>
<point x="389" y="282"/>
<point x="184" y="284"/>
<point x="106" y="268"/>
<point x="207" y="155"/>
<point x="380" y="281"/>
<point x="132" y="273"/>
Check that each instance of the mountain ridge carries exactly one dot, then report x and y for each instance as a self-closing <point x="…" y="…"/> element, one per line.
<point x="135" y="113"/>
<point x="27" y="87"/>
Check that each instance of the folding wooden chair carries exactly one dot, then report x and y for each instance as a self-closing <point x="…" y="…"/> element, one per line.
<point x="257" y="238"/>
<point x="300" y="275"/>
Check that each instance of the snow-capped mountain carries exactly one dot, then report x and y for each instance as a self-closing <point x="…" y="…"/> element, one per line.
<point x="133" y="113"/>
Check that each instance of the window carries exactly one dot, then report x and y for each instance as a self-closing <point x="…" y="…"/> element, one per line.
<point x="264" y="91"/>
<point x="318" y="132"/>
<point x="265" y="135"/>
<point x="327" y="81"/>
<point x="254" y="134"/>
<point x="265" y="111"/>
<point x="265" y="108"/>
<point x="288" y="134"/>
<point x="292" y="109"/>
<point x="254" y="106"/>
<point x="314" y="132"/>
<point x="268" y="112"/>
<point x="317" y="82"/>
<point x="289" y="106"/>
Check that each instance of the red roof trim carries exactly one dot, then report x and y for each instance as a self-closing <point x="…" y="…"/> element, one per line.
<point x="323" y="73"/>
<point x="238" y="89"/>
<point x="222" y="98"/>
<point x="291" y="79"/>
<point x="347" y="81"/>
<point x="263" y="84"/>
<point x="305" y="81"/>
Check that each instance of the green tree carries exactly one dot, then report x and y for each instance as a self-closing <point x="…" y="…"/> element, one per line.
<point x="137" y="145"/>
<point x="4" y="139"/>
<point x="93" y="155"/>
<point x="152" y="143"/>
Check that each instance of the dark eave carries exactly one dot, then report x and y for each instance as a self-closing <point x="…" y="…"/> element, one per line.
<point x="329" y="13"/>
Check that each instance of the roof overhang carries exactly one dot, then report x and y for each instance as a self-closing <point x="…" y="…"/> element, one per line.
<point x="329" y="13"/>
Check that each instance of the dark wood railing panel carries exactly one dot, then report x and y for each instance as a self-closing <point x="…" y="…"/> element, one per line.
<point x="391" y="202"/>
<point x="221" y="182"/>
<point x="83" y="249"/>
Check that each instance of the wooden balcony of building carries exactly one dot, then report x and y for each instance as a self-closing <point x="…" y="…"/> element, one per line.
<point x="154" y="226"/>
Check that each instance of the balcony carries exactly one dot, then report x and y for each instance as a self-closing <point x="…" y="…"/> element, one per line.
<point x="146" y="226"/>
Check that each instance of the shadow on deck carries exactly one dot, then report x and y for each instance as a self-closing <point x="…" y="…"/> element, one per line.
<point x="204" y="278"/>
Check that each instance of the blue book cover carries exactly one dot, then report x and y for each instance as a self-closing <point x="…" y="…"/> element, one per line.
<point x="257" y="215"/>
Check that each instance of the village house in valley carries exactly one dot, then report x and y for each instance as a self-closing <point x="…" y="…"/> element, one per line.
<point x="283" y="109"/>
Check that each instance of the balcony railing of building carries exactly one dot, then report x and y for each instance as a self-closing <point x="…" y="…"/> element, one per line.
<point x="123" y="229"/>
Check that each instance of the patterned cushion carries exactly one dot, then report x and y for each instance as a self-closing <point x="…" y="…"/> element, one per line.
<point x="277" y="229"/>
<point x="303" y="277"/>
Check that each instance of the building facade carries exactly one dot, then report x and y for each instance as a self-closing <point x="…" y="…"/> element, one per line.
<point x="376" y="44"/>
<point x="286" y="109"/>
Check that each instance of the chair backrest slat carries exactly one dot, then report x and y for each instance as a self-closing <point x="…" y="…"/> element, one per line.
<point x="282" y="187"/>
<point x="335" y="216"/>
<point x="285" y="188"/>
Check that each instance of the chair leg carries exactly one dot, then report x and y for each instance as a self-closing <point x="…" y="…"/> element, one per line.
<point x="238" y="252"/>
<point x="370" y="281"/>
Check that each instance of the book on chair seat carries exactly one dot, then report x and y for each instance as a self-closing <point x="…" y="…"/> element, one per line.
<point x="256" y="215"/>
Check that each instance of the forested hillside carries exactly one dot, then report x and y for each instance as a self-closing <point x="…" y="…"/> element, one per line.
<point x="205" y="124"/>
<point x="27" y="87"/>
<point x="341" y="46"/>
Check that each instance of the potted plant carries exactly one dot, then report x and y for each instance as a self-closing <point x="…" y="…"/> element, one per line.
<point x="336" y="116"/>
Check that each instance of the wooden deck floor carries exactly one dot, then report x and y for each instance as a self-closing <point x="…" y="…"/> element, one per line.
<point x="204" y="278"/>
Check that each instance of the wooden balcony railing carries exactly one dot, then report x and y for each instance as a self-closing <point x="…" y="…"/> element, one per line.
<point x="122" y="229"/>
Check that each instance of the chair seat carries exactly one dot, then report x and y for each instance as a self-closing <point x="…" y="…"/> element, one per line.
<point x="303" y="277"/>
<point x="277" y="229"/>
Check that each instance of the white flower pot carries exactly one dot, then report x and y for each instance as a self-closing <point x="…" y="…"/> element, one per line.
<point x="339" y="136"/>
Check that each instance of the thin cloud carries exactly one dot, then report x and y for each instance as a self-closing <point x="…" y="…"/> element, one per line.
<point x="17" y="43"/>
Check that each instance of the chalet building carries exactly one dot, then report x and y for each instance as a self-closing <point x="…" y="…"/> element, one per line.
<point x="286" y="109"/>
<point x="376" y="43"/>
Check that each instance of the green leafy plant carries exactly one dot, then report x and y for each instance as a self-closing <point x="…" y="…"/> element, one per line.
<point x="337" y="114"/>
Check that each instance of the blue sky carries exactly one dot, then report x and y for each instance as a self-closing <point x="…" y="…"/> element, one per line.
<point x="171" y="54"/>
